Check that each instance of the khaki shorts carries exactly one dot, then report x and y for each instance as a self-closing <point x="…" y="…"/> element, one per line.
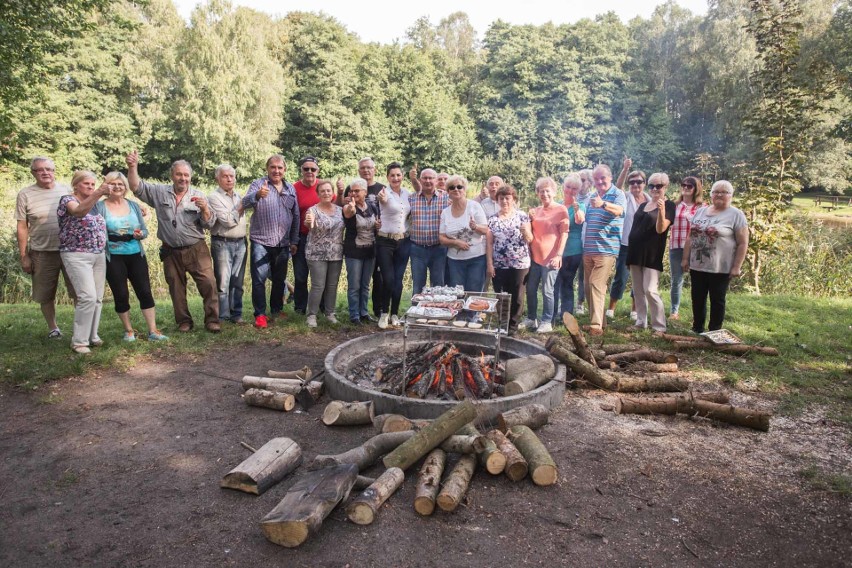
<point x="46" y="268"/>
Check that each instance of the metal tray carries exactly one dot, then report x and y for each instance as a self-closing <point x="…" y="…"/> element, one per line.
<point x="722" y="337"/>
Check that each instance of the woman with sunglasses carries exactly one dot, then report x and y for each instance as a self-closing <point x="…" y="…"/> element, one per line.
<point x="462" y="230"/>
<point x="636" y="196"/>
<point x="645" y="250"/>
<point x="714" y="253"/>
<point x="690" y="200"/>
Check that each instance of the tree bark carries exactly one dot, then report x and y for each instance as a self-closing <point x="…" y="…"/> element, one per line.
<point x="339" y="413"/>
<point x="516" y="465"/>
<point x="264" y="468"/>
<point x="363" y="509"/>
<point x="385" y="423"/>
<point x="655" y="383"/>
<point x="651" y="355"/>
<point x="528" y="373"/>
<point x="456" y="484"/>
<point x="542" y="467"/>
<point x="598" y="377"/>
<point x="431" y="436"/>
<point x="614" y="348"/>
<point x="735" y="349"/>
<point x="490" y="457"/>
<point x="362" y="482"/>
<point x="366" y="454"/>
<point x="315" y="389"/>
<point x="269" y="399"/>
<point x="533" y="415"/>
<point x="578" y="339"/>
<point x="289" y="386"/>
<point x="429" y="482"/>
<point x="690" y="338"/>
<point x="302" y="511"/>
<point x="472" y="444"/>
<point x="303" y="374"/>
<point x="757" y="419"/>
<point x="650" y="367"/>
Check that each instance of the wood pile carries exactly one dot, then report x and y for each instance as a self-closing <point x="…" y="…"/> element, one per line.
<point x="281" y="390"/>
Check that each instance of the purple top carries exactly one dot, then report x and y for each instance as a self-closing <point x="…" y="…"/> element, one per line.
<point x="510" y="247"/>
<point x="80" y="234"/>
<point x="275" y="221"/>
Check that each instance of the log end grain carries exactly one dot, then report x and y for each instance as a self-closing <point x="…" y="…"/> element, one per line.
<point x="516" y="471"/>
<point x="289" y="534"/>
<point x="545" y="475"/>
<point x="360" y="513"/>
<point x="424" y="506"/>
<point x="495" y="463"/>
<point x="239" y="481"/>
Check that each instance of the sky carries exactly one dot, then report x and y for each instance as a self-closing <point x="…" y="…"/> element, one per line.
<point x="385" y="21"/>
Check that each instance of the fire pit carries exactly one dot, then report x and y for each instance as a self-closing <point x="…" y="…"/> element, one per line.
<point x="354" y="352"/>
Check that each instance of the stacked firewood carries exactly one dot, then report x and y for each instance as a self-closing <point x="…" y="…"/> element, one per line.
<point x="280" y="390"/>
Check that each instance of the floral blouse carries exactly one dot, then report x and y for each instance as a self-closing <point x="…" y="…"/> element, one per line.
<point x="80" y="234"/>
<point x="325" y="239"/>
<point x="510" y="248"/>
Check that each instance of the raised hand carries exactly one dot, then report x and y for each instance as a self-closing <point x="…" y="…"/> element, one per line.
<point x="339" y="184"/>
<point x="132" y="159"/>
<point x="263" y="191"/>
<point x="383" y="195"/>
<point x="628" y="163"/>
<point x="472" y="223"/>
<point x="310" y="219"/>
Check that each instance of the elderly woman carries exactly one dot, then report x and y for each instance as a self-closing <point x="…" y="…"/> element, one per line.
<point x="714" y="253"/>
<point x="636" y="195"/>
<point x="393" y="246"/>
<point x="82" y="238"/>
<point x="462" y="230"/>
<point x="125" y="256"/>
<point x="645" y="250"/>
<point x="324" y="252"/>
<point x="691" y="199"/>
<point x="572" y="256"/>
<point x="550" y="233"/>
<point x="359" y="218"/>
<point x="507" y="252"/>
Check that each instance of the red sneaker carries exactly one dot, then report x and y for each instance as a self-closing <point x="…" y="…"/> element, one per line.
<point x="260" y="322"/>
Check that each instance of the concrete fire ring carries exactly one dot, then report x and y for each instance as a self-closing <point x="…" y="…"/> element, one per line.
<point x="340" y="359"/>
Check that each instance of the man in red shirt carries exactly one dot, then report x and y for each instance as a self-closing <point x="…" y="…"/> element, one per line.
<point x="306" y="197"/>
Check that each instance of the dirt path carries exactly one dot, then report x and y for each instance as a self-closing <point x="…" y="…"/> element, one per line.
<point x="123" y="470"/>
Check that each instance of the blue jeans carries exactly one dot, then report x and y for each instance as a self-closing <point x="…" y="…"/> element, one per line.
<point x="469" y="272"/>
<point x="570" y="267"/>
<point x="358" y="274"/>
<point x="229" y="268"/>
<point x="581" y="283"/>
<point x="619" y="282"/>
<point x="300" y="277"/>
<point x="268" y="263"/>
<point x="675" y="258"/>
<point x="431" y="258"/>
<point x="546" y="278"/>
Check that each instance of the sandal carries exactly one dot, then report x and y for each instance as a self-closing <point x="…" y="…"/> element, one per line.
<point x="54" y="333"/>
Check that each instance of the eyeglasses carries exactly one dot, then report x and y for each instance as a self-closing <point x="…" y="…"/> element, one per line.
<point x="721" y="193"/>
<point x="452" y="187"/>
<point x="310" y="169"/>
<point x="687" y="186"/>
<point x="41" y="170"/>
<point x="657" y="186"/>
<point x="636" y="181"/>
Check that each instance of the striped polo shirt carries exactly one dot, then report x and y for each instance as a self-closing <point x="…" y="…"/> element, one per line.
<point x="603" y="229"/>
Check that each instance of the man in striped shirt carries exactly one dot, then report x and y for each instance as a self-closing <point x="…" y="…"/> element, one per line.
<point x="604" y="223"/>
<point x="427" y="254"/>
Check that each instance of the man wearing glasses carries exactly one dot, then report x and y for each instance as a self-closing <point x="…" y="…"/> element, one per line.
<point x="38" y="238"/>
<point x="307" y="197"/>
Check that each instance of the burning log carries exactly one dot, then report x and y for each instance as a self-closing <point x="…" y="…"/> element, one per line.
<point x="542" y="467"/>
<point x="483" y="387"/>
<point x="490" y="457"/>
<point x="289" y="386"/>
<point x="302" y="511"/>
<point x="431" y="436"/>
<point x="578" y="339"/>
<point x="516" y="466"/>
<point x="265" y="467"/>
<point x="339" y="413"/>
<point x="429" y="482"/>
<point x="363" y="509"/>
<point x="456" y="484"/>
<point x="366" y="454"/>
<point x="269" y="399"/>
<point x="731" y="349"/>
<point x="648" y="366"/>
<point x="528" y="373"/>
<point x="532" y="415"/>
<point x="757" y="419"/>
<point x="642" y="355"/>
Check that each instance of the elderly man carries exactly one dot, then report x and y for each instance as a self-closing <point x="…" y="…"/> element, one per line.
<point x="427" y="254"/>
<point x="604" y="221"/>
<point x="38" y="238"/>
<point x="228" y="244"/>
<point x="274" y="236"/>
<point x="441" y="181"/>
<point x="488" y="196"/>
<point x="306" y="197"/>
<point x="182" y="216"/>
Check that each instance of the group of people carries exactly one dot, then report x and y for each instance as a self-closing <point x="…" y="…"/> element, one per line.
<point x="592" y="229"/>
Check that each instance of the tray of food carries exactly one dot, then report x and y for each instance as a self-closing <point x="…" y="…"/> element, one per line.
<point x="457" y="291"/>
<point x="480" y="304"/>
<point x="722" y="337"/>
<point x="450" y="305"/>
<point x="422" y="297"/>
<point x="431" y="313"/>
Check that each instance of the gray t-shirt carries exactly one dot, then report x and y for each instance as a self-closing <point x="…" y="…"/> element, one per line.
<point x="178" y="225"/>
<point x="712" y="239"/>
<point x="37" y="206"/>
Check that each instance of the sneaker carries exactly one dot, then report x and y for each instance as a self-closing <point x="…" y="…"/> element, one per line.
<point x="311" y="321"/>
<point x="394" y="321"/>
<point x="54" y="333"/>
<point x="129" y="336"/>
<point x="610" y="314"/>
<point x="581" y="310"/>
<point x="383" y="321"/>
<point x="332" y="318"/>
<point x="545" y="327"/>
<point x="355" y="321"/>
<point x="368" y="318"/>
<point x="633" y="316"/>
<point x="528" y="324"/>
<point x="81" y="349"/>
<point x="261" y="322"/>
<point x="674" y="316"/>
<point x="237" y="320"/>
<point x="156" y="336"/>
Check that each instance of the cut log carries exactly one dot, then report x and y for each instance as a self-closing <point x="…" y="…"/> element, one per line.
<point x="366" y="454"/>
<point x="269" y="399"/>
<point x="648" y="366"/>
<point x="598" y="377"/>
<point x="606" y="365"/>
<point x="516" y="465"/>
<point x="363" y="509"/>
<point x="423" y="441"/>
<point x="429" y="482"/>
<point x="690" y="338"/>
<point x="456" y="484"/>
<point x="490" y="457"/>
<point x="339" y="413"/>
<point x="266" y="467"/>
<point x="315" y="388"/>
<point x="542" y="467"/>
<point x="655" y="383"/>
<point x="302" y="511"/>
<point x="638" y="403"/>
<point x="464" y="444"/>
<point x="533" y="415"/>
<point x="362" y="482"/>
<point x="392" y="423"/>
<point x="303" y="374"/>
<point x="614" y="348"/>
<point x="528" y="373"/>
<point x="734" y="349"/>
<point x="289" y="386"/>
<point x="578" y="339"/>
<point x="757" y="419"/>
<point x="642" y="355"/>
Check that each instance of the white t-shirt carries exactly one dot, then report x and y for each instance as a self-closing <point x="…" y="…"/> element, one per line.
<point x="490" y="207"/>
<point x="459" y="228"/>
<point x="395" y="211"/>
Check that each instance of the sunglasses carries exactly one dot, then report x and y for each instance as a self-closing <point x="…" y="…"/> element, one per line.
<point x="687" y="186"/>
<point x="310" y="169"/>
<point x="636" y="181"/>
<point x="452" y="187"/>
<point x="656" y="185"/>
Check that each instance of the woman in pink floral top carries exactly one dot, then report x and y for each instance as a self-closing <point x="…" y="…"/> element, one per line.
<point x="691" y="199"/>
<point x="324" y="252"/>
<point x="82" y="239"/>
